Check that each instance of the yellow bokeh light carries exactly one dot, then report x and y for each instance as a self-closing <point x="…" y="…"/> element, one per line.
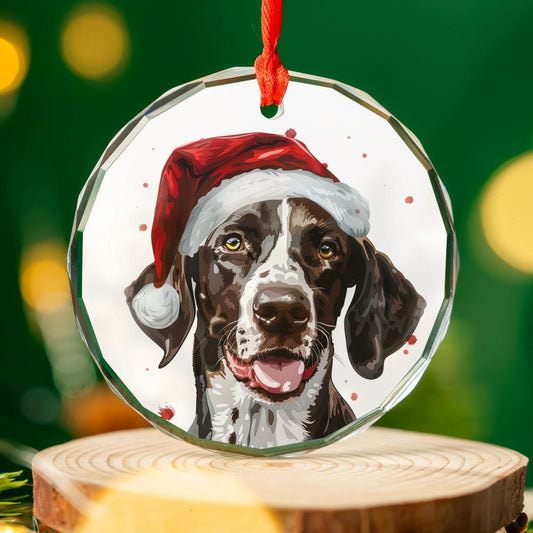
<point x="43" y="277"/>
<point x="507" y="213"/>
<point x="180" y="501"/>
<point x="10" y="61"/>
<point x="95" y="41"/>
<point x="14" y="57"/>
<point x="11" y="528"/>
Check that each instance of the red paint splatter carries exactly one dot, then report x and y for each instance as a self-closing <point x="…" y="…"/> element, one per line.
<point x="364" y="156"/>
<point x="325" y="165"/>
<point x="411" y="340"/>
<point x="145" y="185"/>
<point x="406" y="352"/>
<point x="143" y="227"/>
<point x="409" y="200"/>
<point x="166" y="413"/>
<point x="357" y="211"/>
<point x="290" y="133"/>
<point x="353" y="396"/>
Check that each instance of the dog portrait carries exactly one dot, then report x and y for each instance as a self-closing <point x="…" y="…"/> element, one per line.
<point x="256" y="244"/>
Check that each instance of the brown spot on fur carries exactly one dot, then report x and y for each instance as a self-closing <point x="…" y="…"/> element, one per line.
<point x="232" y="438"/>
<point x="234" y="415"/>
<point x="270" y="417"/>
<point x="264" y="274"/>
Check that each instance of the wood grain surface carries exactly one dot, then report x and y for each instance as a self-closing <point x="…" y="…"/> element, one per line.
<point x="383" y="480"/>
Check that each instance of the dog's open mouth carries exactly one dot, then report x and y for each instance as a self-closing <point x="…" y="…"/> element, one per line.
<point x="276" y="371"/>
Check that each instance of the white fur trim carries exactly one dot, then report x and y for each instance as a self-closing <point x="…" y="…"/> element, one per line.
<point x="156" y="308"/>
<point x="349" y="209"/>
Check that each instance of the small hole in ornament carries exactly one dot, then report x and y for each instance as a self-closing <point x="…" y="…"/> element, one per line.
<point x="272" y="112"/>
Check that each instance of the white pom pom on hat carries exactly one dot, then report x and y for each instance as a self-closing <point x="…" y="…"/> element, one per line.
<point x="156" y="307"/>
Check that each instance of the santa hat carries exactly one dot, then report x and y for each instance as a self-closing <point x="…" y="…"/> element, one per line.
<point x="205" y="181"/>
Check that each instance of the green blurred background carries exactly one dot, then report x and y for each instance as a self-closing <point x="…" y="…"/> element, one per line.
<point x="458" y="73"/>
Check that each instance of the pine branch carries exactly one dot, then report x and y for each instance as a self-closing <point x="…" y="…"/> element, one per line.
<point x="12" y="505"/>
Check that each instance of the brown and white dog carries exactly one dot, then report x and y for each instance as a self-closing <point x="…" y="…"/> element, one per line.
<point x="267" y="287"/>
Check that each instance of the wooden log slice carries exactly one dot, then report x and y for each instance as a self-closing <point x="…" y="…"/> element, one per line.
<point x="383" y="480"/>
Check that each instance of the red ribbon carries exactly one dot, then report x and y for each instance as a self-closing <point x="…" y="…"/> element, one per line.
<point x="271" y="75"/>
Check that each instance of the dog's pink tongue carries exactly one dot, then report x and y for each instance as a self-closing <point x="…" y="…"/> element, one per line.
<point x="279" y="375"/>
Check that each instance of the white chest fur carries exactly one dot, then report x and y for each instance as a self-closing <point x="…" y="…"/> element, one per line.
<point x="241" y="416"/>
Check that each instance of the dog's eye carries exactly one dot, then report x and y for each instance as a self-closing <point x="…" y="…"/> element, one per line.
<point x="233" y="243"/>
<point x="326" y="250"/>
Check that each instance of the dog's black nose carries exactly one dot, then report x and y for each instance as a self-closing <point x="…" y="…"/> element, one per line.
<point x="281" y="310"/>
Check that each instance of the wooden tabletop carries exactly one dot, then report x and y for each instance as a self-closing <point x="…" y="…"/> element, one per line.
<point x="383" y="480"/>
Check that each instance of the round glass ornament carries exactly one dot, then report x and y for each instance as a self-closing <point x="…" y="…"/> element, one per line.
<point x="263" y="286"/>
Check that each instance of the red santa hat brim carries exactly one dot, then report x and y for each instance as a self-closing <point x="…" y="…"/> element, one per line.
<point x="346" y="205"/>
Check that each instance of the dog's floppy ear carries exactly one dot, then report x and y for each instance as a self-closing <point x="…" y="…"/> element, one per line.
<point x="384" y="312"/>
<point x="165" y="314"/>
